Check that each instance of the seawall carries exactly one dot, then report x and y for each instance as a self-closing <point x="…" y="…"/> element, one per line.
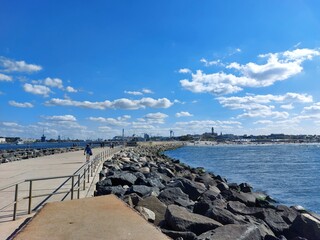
<point x="191" y="203"/>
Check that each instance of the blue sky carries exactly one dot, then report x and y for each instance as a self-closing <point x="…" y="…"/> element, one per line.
<point x="88" y="69"/>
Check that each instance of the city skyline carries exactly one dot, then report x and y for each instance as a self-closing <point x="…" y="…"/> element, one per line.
<point x="88" y="70"/>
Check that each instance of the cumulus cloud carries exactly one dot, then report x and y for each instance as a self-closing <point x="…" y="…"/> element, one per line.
<point x="5" y="78"/>
<point x="157" y="118"/>
<point x="119" y="122"/>
<point x="135" y="93"/>
<point x="184" y="70"/>
<point x="183" y="114"/>
<point x="278" y="67"/>
<point x="210" y="63"/>
<point x="257" y="105"/>
<point x="21" y="105"/>
<point x="18" y="66"/>
<point x="71" y="89"/>
<point x="53" y="82"/>
<point x="313" y="109"/>
<point x="147" y="91"/>
<point x="122" y="103"/>
<point x="64" y="118"/>
<point x="37" y="89"/>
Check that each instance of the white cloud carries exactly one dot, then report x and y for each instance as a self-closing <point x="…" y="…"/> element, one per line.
<point x="255" y="105"/>
<point x="156" y="117"/>
<point x="264" y="122"/>
<point x="313" y="109"/>
<point x="147" y="91"/>
<point x="135" y="93"/>
<point x="210" y="63"/>
<point x="64" y="118"/>
<point x="37" y="89"/>
<point x="119" y="122"/>
<point x="183" y="114"/>
<point x="278" y="67"/>
<point x="53" y="82"/>
<point x="71" y="89"/>
<point x="18" y="66"/>
<point x="184" y="70"/>
<point x="4" y="77"/>
<point x="287" y="106"/>
<point x="10" y="124"/>
<point x="21" y="105"/>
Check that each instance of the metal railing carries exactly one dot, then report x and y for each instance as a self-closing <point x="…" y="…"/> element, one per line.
<point x="80" y="177"/>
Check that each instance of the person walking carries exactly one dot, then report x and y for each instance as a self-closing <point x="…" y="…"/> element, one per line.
<point x="87" y="152"/>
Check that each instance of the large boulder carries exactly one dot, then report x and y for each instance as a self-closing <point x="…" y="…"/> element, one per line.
<point x="175" y="196"/>
<point x="241" y="208"/>
<point x="180" y="235"/>
<point x="193" y="189"/>
<point x="273" y="220"/>
<point x="224" y="216"/>
<point x="233" y="232"/>
<point x="149" y="215"/>
<point x="154" y="204"/>
<point x="180" y="219"/>
<point x="143" y="190"/>
<point x="122" y="178"/>
<point x="306" y="226"/>
<point x="116" y="190"/>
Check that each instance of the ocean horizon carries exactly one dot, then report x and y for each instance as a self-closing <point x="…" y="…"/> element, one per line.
<point x="289" y="173"/>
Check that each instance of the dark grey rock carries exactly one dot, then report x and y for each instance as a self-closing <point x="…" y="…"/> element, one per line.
<point x="180" y="219"/>
<point x="123" y="178"/>
<point x="154" y="204"/>
<point x="193" y="189"/>
<point x="241" y="208"/>
<point x="142" y="190"/>
<point x="245" y="187"/>
<point x="306" y="226"/>
<point x="183" y="235"/>
<point x="116" y="190"/>
<point x="224" y="216"/>
<point x="174" y="196"/>
<point x="233" y="232"/>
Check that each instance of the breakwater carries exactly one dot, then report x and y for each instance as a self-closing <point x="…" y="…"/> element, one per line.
<point x="190" y="203"/>
<point x="10" y="155"/>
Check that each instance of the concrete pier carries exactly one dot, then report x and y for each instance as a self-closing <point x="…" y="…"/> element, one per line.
<point x="105" y="217"/>
<point x="41" y="167"/>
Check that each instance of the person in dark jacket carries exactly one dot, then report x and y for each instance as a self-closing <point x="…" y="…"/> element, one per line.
<point x="87" y="152"/>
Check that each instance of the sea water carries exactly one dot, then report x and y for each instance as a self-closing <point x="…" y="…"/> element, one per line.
<point x="289" y="173"/>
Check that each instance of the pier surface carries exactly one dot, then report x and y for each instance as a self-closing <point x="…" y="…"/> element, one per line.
<point x="41" y="167"/>
<point x="105" y="217"/>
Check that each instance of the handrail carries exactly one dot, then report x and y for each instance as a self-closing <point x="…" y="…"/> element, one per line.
<point x="82" y="175"/>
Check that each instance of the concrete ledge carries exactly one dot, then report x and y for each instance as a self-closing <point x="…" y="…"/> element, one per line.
<point x="105" y="217"/>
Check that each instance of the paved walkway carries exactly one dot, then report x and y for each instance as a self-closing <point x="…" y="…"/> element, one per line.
<point x="104" y="217"/>
<point x="42" y="167"/>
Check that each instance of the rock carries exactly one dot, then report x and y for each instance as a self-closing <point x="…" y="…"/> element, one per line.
<point x="146" y="213"/>
<point x="180" y="219"/>
<point x="145" y="170"/>
<point x="206" y="179"/>
<point x="306" y="226"/>
<point x="273" y="220"/>
<point x="233" y="232"/>
<point x="116" y="190"/>
<point x="288" y="214"/>
<point x="177" y="234"/>
<point x="174" y="196"/>
<point x="123" y="178"/>
<point x="241" y="208"/>
<point x="224" y="216"/>
<point x="245" y="187"/>
<point x="142" y="190"/>
<point x="155" y="205"/>
<point x="193" y="189"/>
<point x="222" y="186"/>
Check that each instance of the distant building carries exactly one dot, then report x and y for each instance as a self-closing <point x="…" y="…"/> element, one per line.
<point x="2" y="140"/>
<point x="43" y="138"/>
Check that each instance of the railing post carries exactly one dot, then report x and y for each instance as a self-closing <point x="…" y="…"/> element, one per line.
<point x="72" y="187"/>
<point x="15" y="202"/>
<point x="78" y="186"/>
<point x="30" y="197"/>
<point x="88" y="176"/>
<point x="84" y="179"/>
